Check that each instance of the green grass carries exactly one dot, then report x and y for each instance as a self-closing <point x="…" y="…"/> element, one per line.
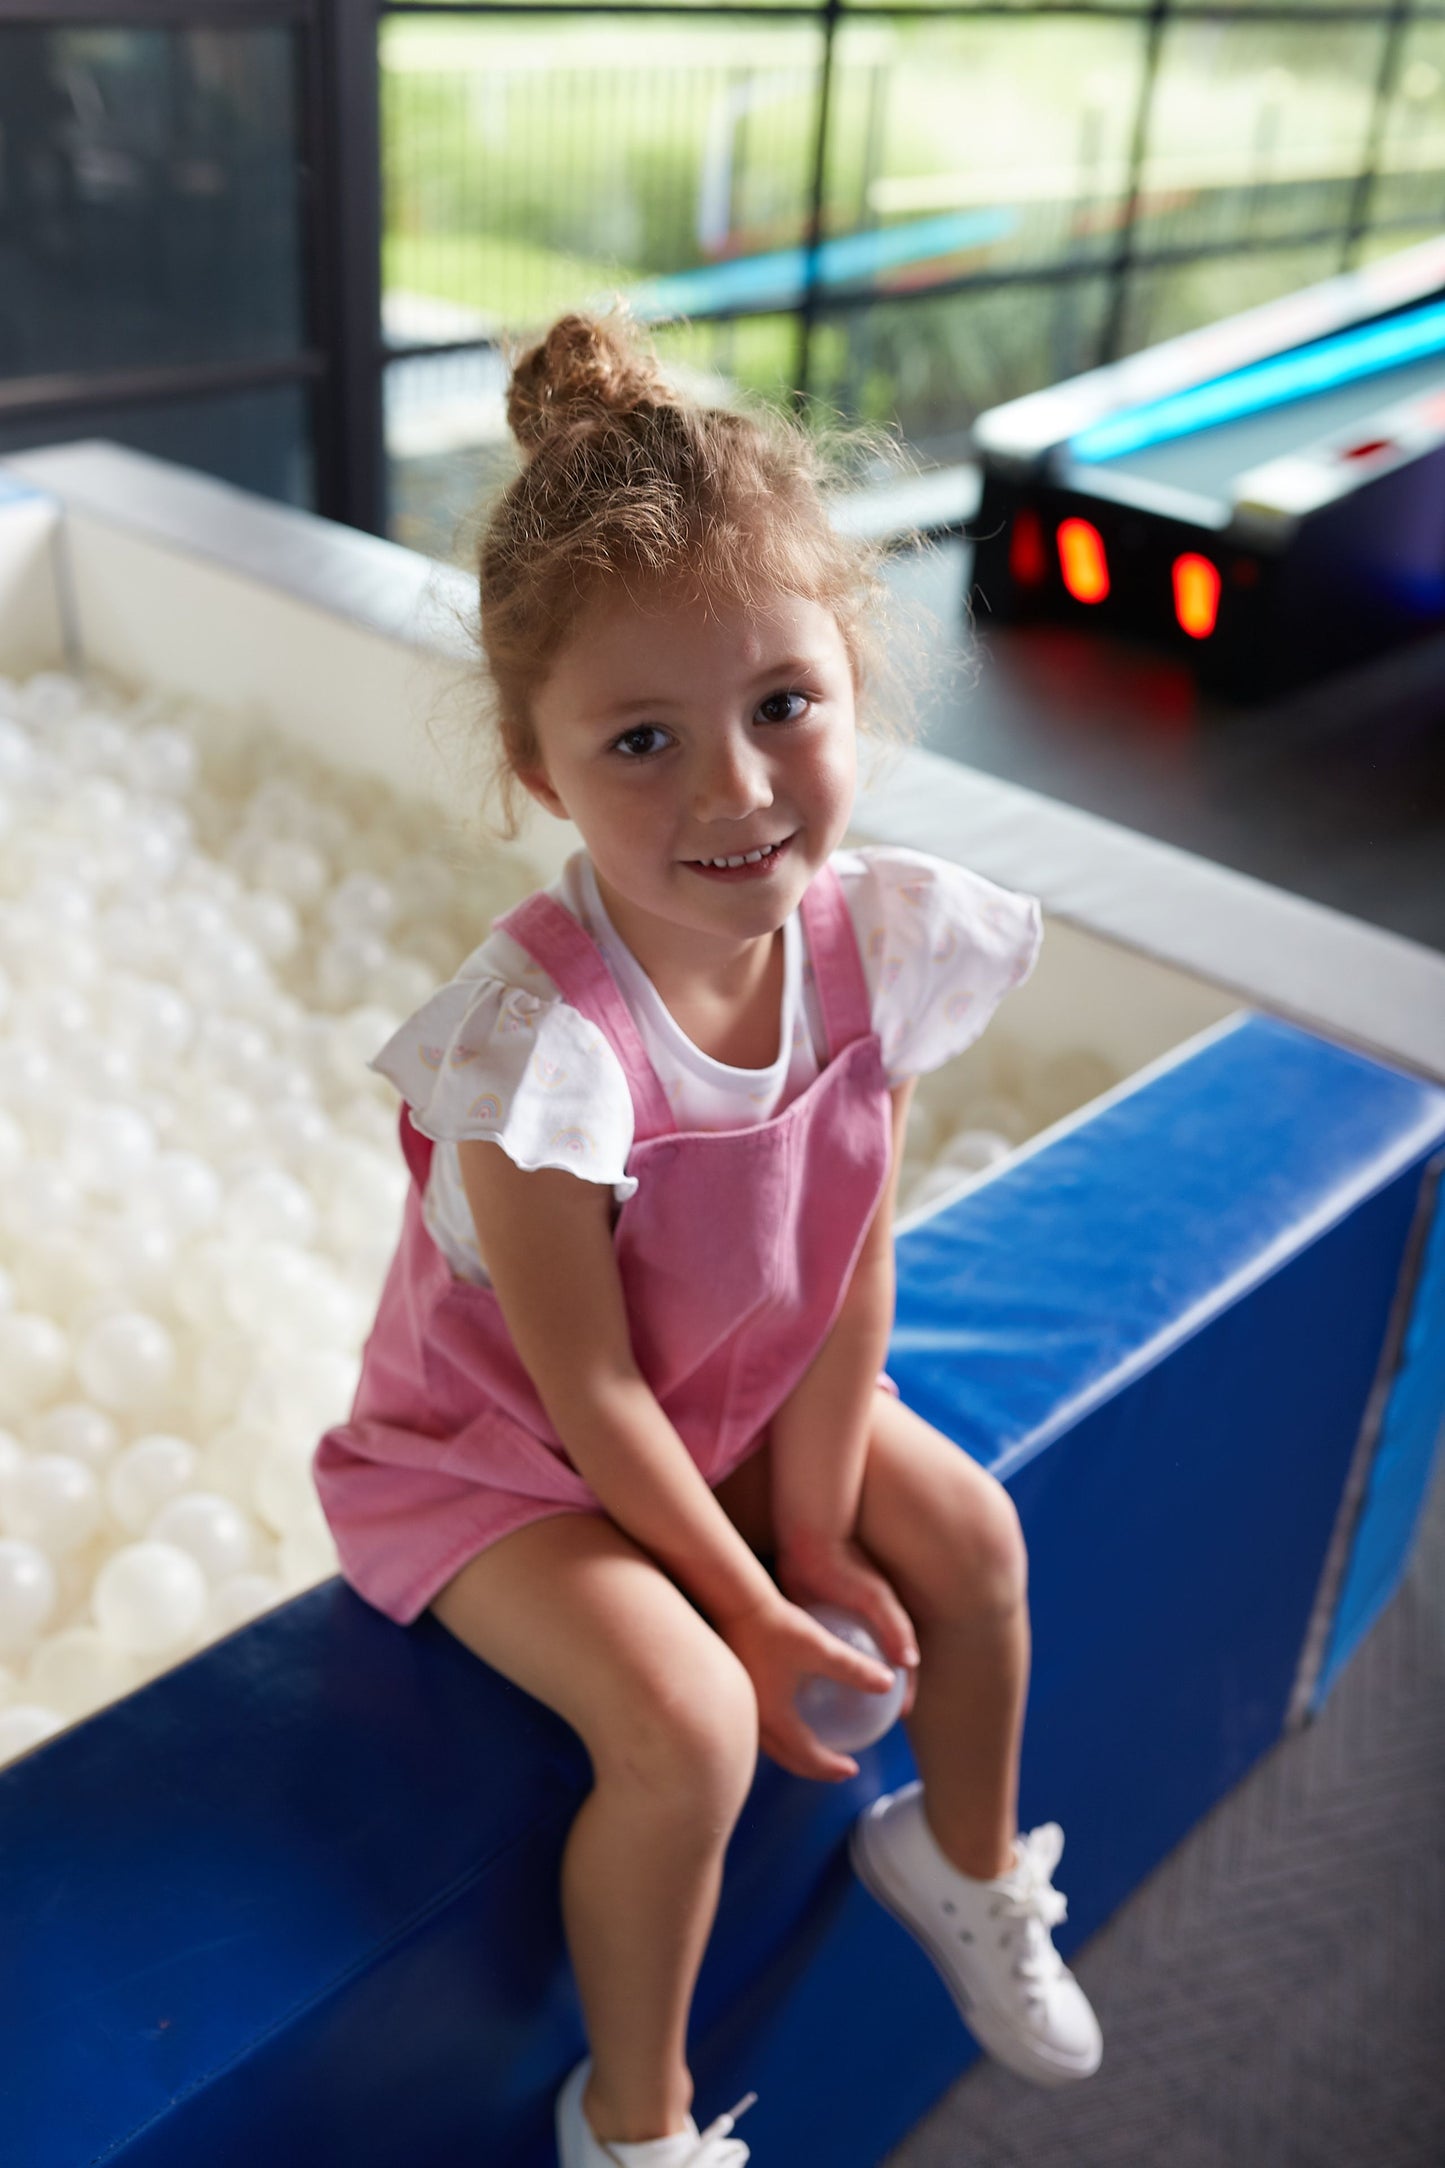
<point x="512" y="281"/>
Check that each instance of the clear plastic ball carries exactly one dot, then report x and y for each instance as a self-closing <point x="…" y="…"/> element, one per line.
<point x="843" y="1717"/>
<point x="148" y="1475"/>
<point x="149" y="1598"/>
<point x="126" y="1361"/>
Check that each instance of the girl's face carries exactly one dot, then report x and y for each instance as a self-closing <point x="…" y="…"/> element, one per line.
<point x="672" y="731"/>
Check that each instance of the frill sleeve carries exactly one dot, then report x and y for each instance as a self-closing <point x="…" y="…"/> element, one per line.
<point x="943" y="946"/>
<point x="483" y="1058"/>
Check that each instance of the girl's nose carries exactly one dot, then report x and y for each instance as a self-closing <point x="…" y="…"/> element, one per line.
<point x="733" y="782"/>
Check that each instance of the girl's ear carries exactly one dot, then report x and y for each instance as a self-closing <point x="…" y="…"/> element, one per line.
<point x="535" y="781"/>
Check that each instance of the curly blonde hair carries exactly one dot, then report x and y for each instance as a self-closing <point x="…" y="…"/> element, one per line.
<point x="626" y="480"/>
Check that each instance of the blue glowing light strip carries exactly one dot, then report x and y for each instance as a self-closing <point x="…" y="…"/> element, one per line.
<point x="1333" y="361"/>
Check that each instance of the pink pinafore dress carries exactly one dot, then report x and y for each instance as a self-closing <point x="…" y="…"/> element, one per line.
<point x="734" y="1254"/>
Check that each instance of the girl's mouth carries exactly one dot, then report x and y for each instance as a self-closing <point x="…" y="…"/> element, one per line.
<point x="755" y="871"/>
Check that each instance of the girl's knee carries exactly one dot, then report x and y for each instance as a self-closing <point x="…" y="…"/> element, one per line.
<point x="689" y="1737"/>
<point x="989" y="1558"/>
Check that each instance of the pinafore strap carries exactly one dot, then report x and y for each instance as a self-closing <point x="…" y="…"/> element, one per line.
<point x="564" y="949"/>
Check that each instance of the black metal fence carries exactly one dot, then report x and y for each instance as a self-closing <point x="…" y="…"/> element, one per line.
<point x="282" y="239"/>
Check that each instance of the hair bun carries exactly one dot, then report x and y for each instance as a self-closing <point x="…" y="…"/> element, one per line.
<point x="585" y="368"/>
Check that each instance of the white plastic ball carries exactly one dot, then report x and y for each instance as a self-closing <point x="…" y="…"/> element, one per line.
<point x="28" y="1593"/>
<point x="974" y="1149"/>
<point x="186" y="1191"/>
<point x="298" y="1128"/>
<point x="13" y="1458"/>
<point x="12" y="1145"/>
<point x="272" y="923"/>
<point x="126" y="1361"/>
<point x="161" y="759"/>
<point x="53" y="1502"/>
<point x="422" y="888"/>
<point x="155" y="1024"/>
<point x="141" y="1248"/>
<point x="232" y="1457"/>
<point x="148" y="1475"/>
<point x="232" y="1047"/>
<point x="292" y="869"/>
<point x="361" y="904"/>
<point x="108" y="1147"/>
<point x="41" y="1198"/>
<point x="284" y="1492"/>
<point x="23" y="1725"/>
<point x="219" y="1124"/>
<point x="149" y="1598"/>
<point x="267" y="1205"/>
<point x="305" y="1556"/>
<point x="843" y="1717"/>
<point x="34" y="1362"/>
<point x="79" y="1671"/>
<point x="62" y="1274"/>
<point x="347" y="968"/>
<point x="218" y="1535"/>
<point x="77" y="1430"/>
<point x="302" y="1397"/>
<point x="239" y="1599"/>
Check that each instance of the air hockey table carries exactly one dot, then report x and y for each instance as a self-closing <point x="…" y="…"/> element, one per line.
<point x="1265" y="495"/>
<point x="295" y="1898"/>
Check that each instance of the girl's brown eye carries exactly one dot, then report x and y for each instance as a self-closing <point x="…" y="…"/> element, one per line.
<point x="774" y="698"/>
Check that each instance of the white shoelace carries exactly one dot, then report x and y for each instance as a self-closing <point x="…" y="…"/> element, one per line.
<point x="714" y="2148"/>
<point x="1028" y="1896"/>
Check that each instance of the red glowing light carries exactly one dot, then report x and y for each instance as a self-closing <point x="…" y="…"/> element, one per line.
<point x="1196" y="595"/>
<point x="1082" y="561"/>
<point x="1026" y="559"/>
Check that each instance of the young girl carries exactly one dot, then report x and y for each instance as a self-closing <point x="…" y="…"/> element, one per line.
<point x="631" y="1341"/>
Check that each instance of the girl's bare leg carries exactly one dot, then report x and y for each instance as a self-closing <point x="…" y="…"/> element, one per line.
<point x="639" y="1895"/>
<point x="574" y="1612"/>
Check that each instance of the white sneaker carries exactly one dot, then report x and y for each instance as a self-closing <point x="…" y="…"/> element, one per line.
<point x="990" y="1941"/>
<point x="579" y="2147"/>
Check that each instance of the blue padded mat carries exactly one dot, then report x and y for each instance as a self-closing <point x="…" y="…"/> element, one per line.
<point x="297" y="1899"/>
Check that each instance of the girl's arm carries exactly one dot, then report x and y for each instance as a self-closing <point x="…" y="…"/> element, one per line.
<point x="819" y="1437"/>
<point x="546" y="1241"/>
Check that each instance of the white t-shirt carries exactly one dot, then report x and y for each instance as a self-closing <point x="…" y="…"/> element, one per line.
<point x="498" y="1053"/>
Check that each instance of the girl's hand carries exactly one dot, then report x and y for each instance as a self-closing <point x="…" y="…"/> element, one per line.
<point x="834" y="1569"/>
<point x="780" y="1646"/>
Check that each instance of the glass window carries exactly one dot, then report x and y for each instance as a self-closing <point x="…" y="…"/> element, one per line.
<point x="967" y="146"/>
<point x="1258" y="130"/>
<point x="538" y="163"/>
<point x="149" y="198"/>
<point x="1410" y="184"/>
<point x="1163" y="303"/>
<point x="933" y="366"/>
<point x="260" y="440"/>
